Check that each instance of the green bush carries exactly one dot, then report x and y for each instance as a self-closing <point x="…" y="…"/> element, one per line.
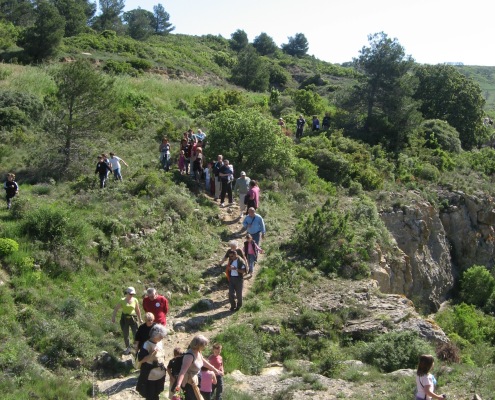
<point x="308" y="102"/>
<point x="395" y="350"/>
<point x="477" y="285"/>
<point x="8" y="246"/>
<point x="241" y="349"/>
<point x="49" y="224"/>
<point x="439" y="134"/>
<point x="140" y="64"/>
<point x="119" y="68"/>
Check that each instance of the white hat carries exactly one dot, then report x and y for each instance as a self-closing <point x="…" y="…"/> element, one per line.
<point x="130" y="290"/>
<point x="243" y="173"/>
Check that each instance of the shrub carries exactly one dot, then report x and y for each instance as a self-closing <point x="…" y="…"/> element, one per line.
<point x="477" y="285"/>
<point x="439" y="134"/>
<point x="119" y="68"/>
<point x="140" y="64"/>
<point x="49" y="224"/>
<point x="8" y="246"/>
<point x="395" y="350"/>
<point x="241" y="349"/>
<point x="308" y="102"/>
<point x="448" y="352"/>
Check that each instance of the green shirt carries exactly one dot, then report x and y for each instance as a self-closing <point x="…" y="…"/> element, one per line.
<point x="129" y="308"/>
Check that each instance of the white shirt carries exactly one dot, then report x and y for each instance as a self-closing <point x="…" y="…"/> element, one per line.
<point x="114" y="162"/>
<point x="234" y="272"/>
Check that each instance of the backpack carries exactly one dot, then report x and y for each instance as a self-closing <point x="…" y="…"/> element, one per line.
<point x="176" y="363"/>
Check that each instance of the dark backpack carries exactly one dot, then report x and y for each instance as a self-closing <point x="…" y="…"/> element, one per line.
<point x="176" y="363"/>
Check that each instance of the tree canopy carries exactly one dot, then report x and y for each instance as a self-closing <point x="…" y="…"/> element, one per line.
<point x="297" y="45"/>
<point x="140" y="23"/>
<point x="239" y="40"/>
<point x="161" y="20"/>
<point x="251" y="71"/>
<point x="264" y="44"/>
<point x="448" y="95"/>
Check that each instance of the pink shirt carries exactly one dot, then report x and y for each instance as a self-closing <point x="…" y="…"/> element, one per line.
<point x="206" y="381"/>
<point x="254" y="193"/>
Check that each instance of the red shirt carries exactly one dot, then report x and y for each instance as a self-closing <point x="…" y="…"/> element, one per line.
<point x="158" y="307"/>
<point x="216" y="361"/>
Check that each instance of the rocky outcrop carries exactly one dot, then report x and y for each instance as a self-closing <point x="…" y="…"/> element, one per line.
<point x="433" y="245"/>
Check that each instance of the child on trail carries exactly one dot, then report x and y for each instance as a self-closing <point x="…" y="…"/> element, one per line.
<point x="182" y="162"/>
<point x="208" y="379"/>
<point x="173" y="369"/>
<point x="207" y="173"/>
<point x="251" y="250"/>
<point x="425" y="382"/>
<point x="216" y="360"/>
<point x="11" y="189"/>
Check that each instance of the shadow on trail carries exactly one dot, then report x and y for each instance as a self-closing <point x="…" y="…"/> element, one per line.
<point x="119" y="386"/>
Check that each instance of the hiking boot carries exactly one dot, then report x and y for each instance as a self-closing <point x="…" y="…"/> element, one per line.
<point x="127" y="351"/>
<point x="222" y="205"/>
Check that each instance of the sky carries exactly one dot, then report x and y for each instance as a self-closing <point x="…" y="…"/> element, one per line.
<point x="431" y="31"/>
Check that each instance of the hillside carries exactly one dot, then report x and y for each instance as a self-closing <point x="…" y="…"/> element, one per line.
<point x="372" y="222"/>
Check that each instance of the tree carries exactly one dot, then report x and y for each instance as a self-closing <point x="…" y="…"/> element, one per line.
<point x="238" y="40"/>
<point x="251" y="71"/>
<point x="477" y="285"/>
<point x="109" y="17"/>
<point x="79" y="109"/>
<point x="308" y="102"/>
<point x="248" y="139"/>
<point x="385" y="91"/>
<point x="8" y="35"/>
<point x="448" y="95"/>
<point x="139" y="23"/>
<point x="20" y="12"/>
<point x="76" y="14"/>
<point x="41" y="40"/>
<point x="264" y="44"/>
<point x="297" y="45"/>
<point x="161" y="20"/>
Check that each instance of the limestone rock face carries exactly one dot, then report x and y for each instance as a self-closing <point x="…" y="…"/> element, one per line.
<point x="435" y="245"/>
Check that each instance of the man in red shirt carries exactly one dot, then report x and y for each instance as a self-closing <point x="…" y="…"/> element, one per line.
<point x="157" y="305"/>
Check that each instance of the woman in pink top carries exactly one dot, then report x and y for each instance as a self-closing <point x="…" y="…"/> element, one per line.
<point x="253" y="195"/>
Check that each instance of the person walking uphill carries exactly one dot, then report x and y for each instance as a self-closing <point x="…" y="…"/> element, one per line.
<point x="157" y="305"/>
<point x="254" y="225"/>
<point x="11" y="189"/>
<point x="131" y="314"/>
<point x="300" y="126"/>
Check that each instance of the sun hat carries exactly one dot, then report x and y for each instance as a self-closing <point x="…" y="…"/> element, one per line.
<point x="130" y="290"/>
<point x="243" y="173"/>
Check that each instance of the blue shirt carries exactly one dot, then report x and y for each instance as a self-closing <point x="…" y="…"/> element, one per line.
<point x="254" y="224"/>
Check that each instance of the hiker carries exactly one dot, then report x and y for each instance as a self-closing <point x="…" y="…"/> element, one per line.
<point x="143" y="332"/>
<point x="253" y="195"/>
<point x="316" y="124"/>
<point x="151" y="381"/>
<point x="242" y="187"/>
<point x="181" y="162"/>
<point x="226" y="174"/>
<point x="198" y="164"/>
<point x="216" y="360"/>
<point x="207" y="173"/>
<point x="234" y="246"/>
<point x="236" y="269"/>
<point x="251" y="250"/>
<point x="192" y="361"/>
<point x="11" y="189"/>
<point x="115" y="166"/>
<point x="207" y="380"/>
<point x="281" y="123"/>
<point x="131" y="315"/>
<point x="254" y="225"/>
<point x="218" y="182"/>
<point x="173" y="370"/>
<point x="184" y="150"/>
<point x="326" y="122"/>
<point x="157" y="305"/>
<point x="300" y="126"/>
<point x="102" y="169"/>
<point x="201" y="136"/>
<point x="425" y="382"/>
<point x="165" y="153"/>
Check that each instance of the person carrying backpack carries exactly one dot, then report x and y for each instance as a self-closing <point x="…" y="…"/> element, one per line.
<point x="173" y="369"/>
<point x="192" y="361"/>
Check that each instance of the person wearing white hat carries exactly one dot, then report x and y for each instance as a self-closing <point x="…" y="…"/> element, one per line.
<point x="242" y="187"/>
<point x="131" y="315"/>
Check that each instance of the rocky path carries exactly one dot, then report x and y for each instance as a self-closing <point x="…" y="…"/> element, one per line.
<point x="184" y="323"/>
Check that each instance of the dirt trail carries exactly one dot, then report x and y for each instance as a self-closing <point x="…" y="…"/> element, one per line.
<point x="189" y="323"/>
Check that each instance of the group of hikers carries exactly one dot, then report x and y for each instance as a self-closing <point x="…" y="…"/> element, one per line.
<point x="191" y="376"/>
<point x="301" y="122"/>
